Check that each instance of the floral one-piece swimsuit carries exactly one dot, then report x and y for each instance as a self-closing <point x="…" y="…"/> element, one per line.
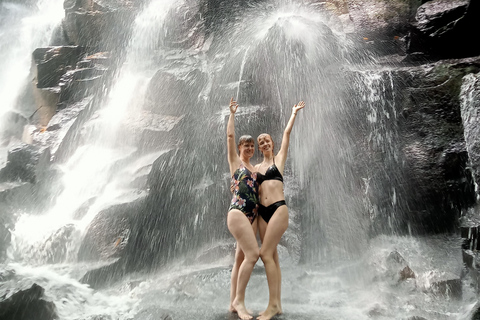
<point x="245" y="192"/>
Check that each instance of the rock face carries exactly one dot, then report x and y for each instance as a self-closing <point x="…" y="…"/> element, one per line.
<point x="28" y="304"/>
<point x="108" y="233"/>
<point x="443" y="29"/>
<point x="24" y="163"/>
<point x="417" y="178"/>
<point x="411" y="154"/>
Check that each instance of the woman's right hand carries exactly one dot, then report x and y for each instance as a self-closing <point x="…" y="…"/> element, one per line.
<point x="233" y="106"/>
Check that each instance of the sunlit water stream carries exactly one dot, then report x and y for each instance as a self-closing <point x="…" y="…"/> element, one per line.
<point x="344" y="275"/>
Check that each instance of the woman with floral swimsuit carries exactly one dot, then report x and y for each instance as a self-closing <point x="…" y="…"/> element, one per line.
<point x="242" y="213"/>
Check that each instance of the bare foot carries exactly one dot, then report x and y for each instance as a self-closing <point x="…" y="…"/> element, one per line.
<point x="232" y="309"/>
<point x="280" y="311"/>
<point x="269" y="313"/>
<point x="241" y="310"/>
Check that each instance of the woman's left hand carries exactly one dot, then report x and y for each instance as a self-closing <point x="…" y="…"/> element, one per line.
<point x="298" y="106"/>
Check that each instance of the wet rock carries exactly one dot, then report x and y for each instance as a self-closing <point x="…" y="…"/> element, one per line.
<point x="380" y="25"/>
<point x="57" y="245"/>
<point x="99" y="27"/>
<point x="169" y="94"/>
<point x="444" y="28"/>
<point x="79" y="83"/>
<point x="25" y="163"/>
<point x="191" y="33"/>
<point x="6" y="275"/>
<point x="442" y="284"/>
<point x="434" y="183"/>
<point x="158" y="132"/>
<point x="53" y="62"/>
<point x="83" y="209"/>
<point x="470" y="112"/>
<point x="377" y="311"/>
<point x="108" y="233"/>
<point x="153" y="313"/>
<point x="397" y="267"/>
<point x="28" y="304"/>
<point x="105" y="275"/>
<point x="63" y="133"/>
<point x="46" y="102"/>
<point x="407" y="273"/>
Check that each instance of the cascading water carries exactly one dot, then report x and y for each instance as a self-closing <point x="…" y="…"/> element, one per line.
<point x="269" y="58"/>
<point x="29" y="26"/>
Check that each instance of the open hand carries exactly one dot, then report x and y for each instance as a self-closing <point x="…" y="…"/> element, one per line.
<point x="298" y="106"/>
<point x="233" y="106"/>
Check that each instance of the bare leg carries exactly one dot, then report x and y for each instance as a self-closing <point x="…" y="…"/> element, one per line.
<point x="275" y="228"/>
<point x="239" y="256"/>
<point x="262" y="227"/>
<point x="279" y="273"/>
<point x="242" y="230"/>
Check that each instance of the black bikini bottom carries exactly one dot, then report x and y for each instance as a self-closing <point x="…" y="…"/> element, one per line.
<point x="267" y="212"/>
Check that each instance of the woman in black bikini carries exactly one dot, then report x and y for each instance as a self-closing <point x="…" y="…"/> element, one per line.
<point x="273" y="211"/>
<point x="241" y="219"/>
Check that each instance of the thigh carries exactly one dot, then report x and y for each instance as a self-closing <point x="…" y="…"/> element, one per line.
<point x="262" y="228"/>
<point x="241" y="228"/>
<point x="276" y="227"/>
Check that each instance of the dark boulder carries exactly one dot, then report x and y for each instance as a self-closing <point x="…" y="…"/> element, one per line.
<point x="108" y="233"/>
<point x="53" y="62"/>
<point x="443" y="29"/>
<point x="446" y="285"/>
<point x="25" y="163"/>
<point x="103" y="276"/>
<point x="419" y="177"/>
<point x="27" y="305"/>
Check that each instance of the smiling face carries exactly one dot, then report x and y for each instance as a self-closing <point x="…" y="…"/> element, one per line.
<point x="265" y="143"/>
<point x="246" y="146"/>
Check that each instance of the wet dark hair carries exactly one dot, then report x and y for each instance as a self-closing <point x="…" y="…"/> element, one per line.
<point x="244" y="139"/>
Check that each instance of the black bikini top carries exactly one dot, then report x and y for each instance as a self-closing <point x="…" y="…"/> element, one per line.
<point x="272" y="173"/>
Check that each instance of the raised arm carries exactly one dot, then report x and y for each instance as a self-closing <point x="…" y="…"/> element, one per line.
<point x="231" y="148"/>
<point x="282" y="154"/>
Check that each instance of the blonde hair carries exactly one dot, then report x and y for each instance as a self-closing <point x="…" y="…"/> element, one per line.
<point x="261" y="136"/>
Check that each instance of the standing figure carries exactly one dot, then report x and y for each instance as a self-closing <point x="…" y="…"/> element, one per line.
<point x="273" y="211"/>
<point x="242" y="213"/>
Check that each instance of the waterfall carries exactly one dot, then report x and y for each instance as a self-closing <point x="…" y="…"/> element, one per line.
<point x="100" y="171"/>
<point x="348" y="253"/>
<point x="25" y="27"/>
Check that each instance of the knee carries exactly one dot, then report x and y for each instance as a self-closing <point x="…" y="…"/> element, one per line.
<point x="252" y="256"/>
<point x="266" y="257"/>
